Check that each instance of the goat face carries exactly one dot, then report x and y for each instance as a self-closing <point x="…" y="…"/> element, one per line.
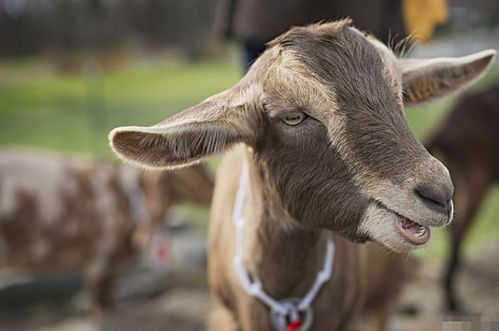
<point x="322" y="111"/>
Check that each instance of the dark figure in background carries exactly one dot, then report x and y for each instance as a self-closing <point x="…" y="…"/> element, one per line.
<point x="467" y="142"/>
<point x="256" y="22"/>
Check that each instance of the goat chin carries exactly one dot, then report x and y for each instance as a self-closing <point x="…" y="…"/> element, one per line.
<point x="380" y="225"/>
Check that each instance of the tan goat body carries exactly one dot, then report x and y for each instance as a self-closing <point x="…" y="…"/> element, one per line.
<point x="318" y="121"/>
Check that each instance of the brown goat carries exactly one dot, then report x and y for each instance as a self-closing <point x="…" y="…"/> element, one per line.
<point x="317" y="127"/>
<point x="60" y="214"/>
<point x="467" y="142"/>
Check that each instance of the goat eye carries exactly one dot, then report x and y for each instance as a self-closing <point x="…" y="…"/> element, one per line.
<point x="294" y="119"/>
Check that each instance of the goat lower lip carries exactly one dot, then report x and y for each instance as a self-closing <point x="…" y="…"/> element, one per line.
<point x="413" y="232"/>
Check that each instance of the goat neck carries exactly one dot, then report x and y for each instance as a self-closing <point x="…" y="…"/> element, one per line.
<point x="285" y="255"/>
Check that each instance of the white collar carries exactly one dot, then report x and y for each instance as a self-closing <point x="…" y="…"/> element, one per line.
<point x="285" y="310"/>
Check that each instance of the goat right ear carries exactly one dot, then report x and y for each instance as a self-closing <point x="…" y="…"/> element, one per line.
<point x="198" y="132"/>
<point x="427" y="79"/>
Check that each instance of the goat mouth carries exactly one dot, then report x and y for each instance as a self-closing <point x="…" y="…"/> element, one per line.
<point x="415" y="233"/>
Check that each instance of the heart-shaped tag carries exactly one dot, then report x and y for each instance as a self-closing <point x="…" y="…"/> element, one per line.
<point x="295" y="325"/>
<point x="303" y="322"/>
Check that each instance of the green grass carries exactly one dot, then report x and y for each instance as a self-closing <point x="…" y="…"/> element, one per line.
<point x="75" y="112"/>
<point x="72" y="113"/>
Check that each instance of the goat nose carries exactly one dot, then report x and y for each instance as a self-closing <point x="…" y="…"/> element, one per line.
<point x="437" y="196"/>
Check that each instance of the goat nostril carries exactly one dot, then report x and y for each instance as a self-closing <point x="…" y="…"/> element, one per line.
<point x="435" y="195"/>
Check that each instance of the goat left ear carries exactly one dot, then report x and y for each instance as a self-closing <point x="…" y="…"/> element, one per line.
<point x="190" y="136"/>
<point x="424" y="80"/>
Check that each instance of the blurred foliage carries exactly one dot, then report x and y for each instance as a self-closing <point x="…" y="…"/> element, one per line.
<point x="73" y="113"/>
<point x="30" y="27"/>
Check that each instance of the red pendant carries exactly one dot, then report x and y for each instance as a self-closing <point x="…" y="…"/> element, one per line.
<point x="295" y="325"/>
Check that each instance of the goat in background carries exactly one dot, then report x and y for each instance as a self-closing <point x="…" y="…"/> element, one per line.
<point x="467" y="142"/>
<point x="64" y="214"/>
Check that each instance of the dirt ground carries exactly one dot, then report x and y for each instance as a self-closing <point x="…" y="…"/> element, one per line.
<point x="183" y="301"/>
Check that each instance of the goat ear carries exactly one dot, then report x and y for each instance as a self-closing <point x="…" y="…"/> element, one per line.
<point x="424" y="80"/>
<point x="184" y="139"/>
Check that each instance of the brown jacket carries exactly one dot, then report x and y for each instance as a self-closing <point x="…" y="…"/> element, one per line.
<point x="259" y="21"/>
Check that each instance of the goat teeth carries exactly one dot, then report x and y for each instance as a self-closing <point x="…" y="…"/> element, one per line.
<point x="421" y="231"/>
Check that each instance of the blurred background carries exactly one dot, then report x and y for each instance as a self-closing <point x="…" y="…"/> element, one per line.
<point x="71" y="70"/>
